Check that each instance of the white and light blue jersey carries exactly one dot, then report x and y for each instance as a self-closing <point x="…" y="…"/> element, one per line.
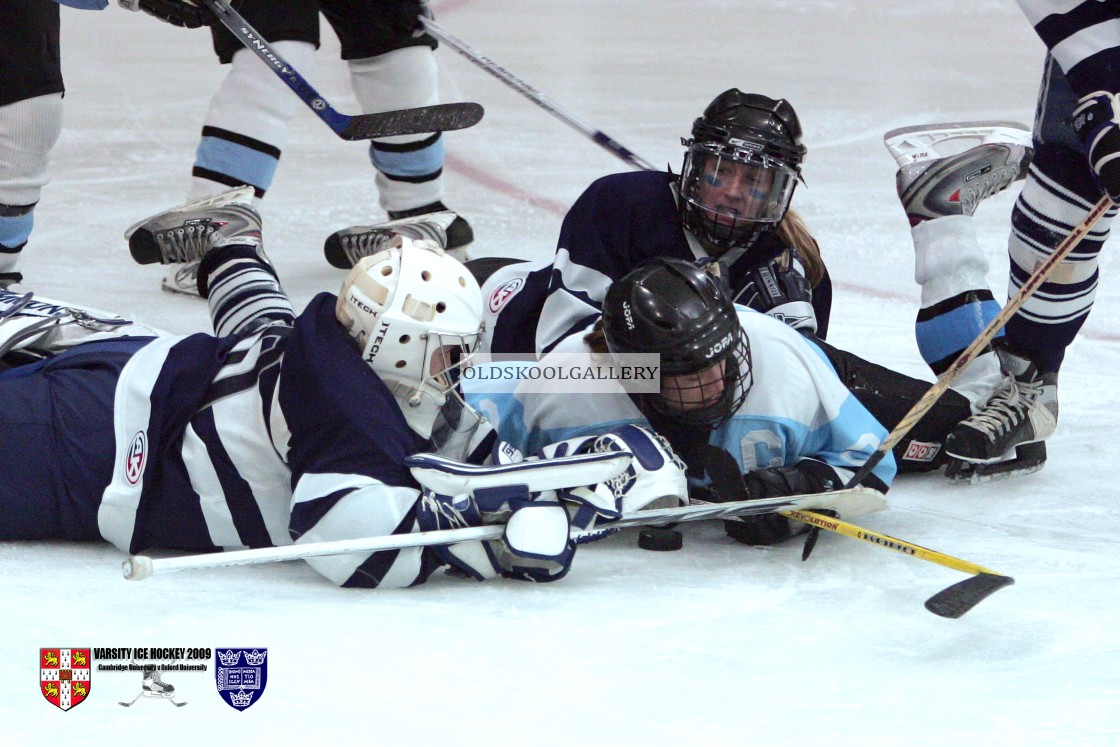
<point x="797" y="407"/>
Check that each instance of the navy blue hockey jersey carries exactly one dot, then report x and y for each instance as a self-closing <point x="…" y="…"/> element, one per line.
<point x="279" y="436"/>
<point x="619" y="222"/>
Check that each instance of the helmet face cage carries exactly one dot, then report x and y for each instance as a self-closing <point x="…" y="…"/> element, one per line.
<point x="732" y="192"/>
<point x="450" y="354"/>
<point x="706" y="397"/>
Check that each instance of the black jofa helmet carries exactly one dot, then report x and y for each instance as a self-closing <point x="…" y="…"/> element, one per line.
<point x="678" y="310"/>
<point x="740" y="170"/>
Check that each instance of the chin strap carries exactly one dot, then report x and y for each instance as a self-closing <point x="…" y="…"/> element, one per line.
<point x="420" y="408"/>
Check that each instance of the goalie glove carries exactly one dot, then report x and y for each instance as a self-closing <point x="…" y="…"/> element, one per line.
<point x="181" y="13"/>
<point x="1096" y="120"/>
<point x="655" y="477"/>
<point x="534" y="547"/>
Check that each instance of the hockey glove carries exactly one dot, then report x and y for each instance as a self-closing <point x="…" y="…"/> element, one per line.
<point x="783" y="294"/>
<point x="807" y="476"/>
<point x="181" y="13"/>
<point x="534" y="547"/>
<point x="655" y="477"/>
<point x="1096" y="120"/>
<point x="406" y="15"/>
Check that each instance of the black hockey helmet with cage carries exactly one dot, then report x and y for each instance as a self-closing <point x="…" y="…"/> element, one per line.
<point x="741" y="167"/>
<point x="679" y="311"/>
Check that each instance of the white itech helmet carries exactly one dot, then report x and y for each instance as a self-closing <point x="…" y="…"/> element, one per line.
<point x="416" y="314"/>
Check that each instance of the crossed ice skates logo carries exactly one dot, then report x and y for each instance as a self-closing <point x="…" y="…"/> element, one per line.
<point x="153" y="686"/>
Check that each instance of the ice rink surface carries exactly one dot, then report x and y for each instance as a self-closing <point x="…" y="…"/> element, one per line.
<point x="717" y="644"/>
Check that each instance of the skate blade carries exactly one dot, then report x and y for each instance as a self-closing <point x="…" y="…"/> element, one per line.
<point x="933" y="141"/>
<point x="1024" y="459"/>
<point x="178" y="291"/>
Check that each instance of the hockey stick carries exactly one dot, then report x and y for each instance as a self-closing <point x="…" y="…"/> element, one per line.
<point x="362" y="126"/>
<point x="962" y="596"/>
<point x="129" y="703"/>
<point x="952" y="602"/>
<point x="854" y="502"/>
<point x="519" y="85"/>
<point x="165" y="697"/>
<point x="1041" y="273"/>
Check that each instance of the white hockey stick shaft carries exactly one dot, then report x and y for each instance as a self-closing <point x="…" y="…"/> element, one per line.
<point x="550" y="106"/>
<point x="138" y="567"/>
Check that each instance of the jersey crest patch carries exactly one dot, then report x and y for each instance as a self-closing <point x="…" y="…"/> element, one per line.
<point x="136" y="458"/>
<point x="503" y="293"/>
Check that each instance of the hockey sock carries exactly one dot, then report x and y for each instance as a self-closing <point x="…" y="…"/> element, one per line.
<point x="1056" y="197"/>
<point x="28" y="130"/>
<point x="243" y="290"/>
<point x="247" y="124"/>
<point x="956" y="302"/>
<point x="15" y="226"/>
<point x="409" y="167"/>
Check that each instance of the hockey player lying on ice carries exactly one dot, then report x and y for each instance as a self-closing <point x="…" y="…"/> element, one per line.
<point x="731" y="204"/>
<point x="280" y="428"/>
<point x="752" y="407"/>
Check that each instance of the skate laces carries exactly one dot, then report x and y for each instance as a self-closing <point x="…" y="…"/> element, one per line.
<point x="187" y="275"/>
<point x="1008" y="406"/>
<point x="185" y="243"/>
<point x="359" y="245"/>
<point x="986" y="186"/>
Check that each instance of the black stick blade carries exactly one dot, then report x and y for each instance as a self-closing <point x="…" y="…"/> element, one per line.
<point x="962" y="596"/>
<point x="436" y="118"/>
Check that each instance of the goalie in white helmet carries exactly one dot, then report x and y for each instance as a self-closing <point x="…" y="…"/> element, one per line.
<point x="416" y="315"/>
<point x="279" y="429"/>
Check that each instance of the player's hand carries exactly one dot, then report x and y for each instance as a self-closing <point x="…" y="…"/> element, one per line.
<point x="182" y="13"/>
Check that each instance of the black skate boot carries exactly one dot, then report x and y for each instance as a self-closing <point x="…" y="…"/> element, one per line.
<point x="1007" y="434"/>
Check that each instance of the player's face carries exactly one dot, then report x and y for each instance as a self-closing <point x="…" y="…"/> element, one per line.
<point x="730" y="189"/>
<point x="443" y="358"/>
<point x="688" y="392"/>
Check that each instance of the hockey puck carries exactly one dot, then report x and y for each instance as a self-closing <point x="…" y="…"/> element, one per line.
<point x="660" y="540"/>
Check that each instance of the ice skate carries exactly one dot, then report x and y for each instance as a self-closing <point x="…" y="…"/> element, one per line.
<point x="459" y="233"/>
<point x="182" y="279"/>
<point x="344" y="248"/>
<point x="948" y="169"/>
<point x="186" y="233"/>
<point x="1007" y="434"/>
<point x="153" y="686"/>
